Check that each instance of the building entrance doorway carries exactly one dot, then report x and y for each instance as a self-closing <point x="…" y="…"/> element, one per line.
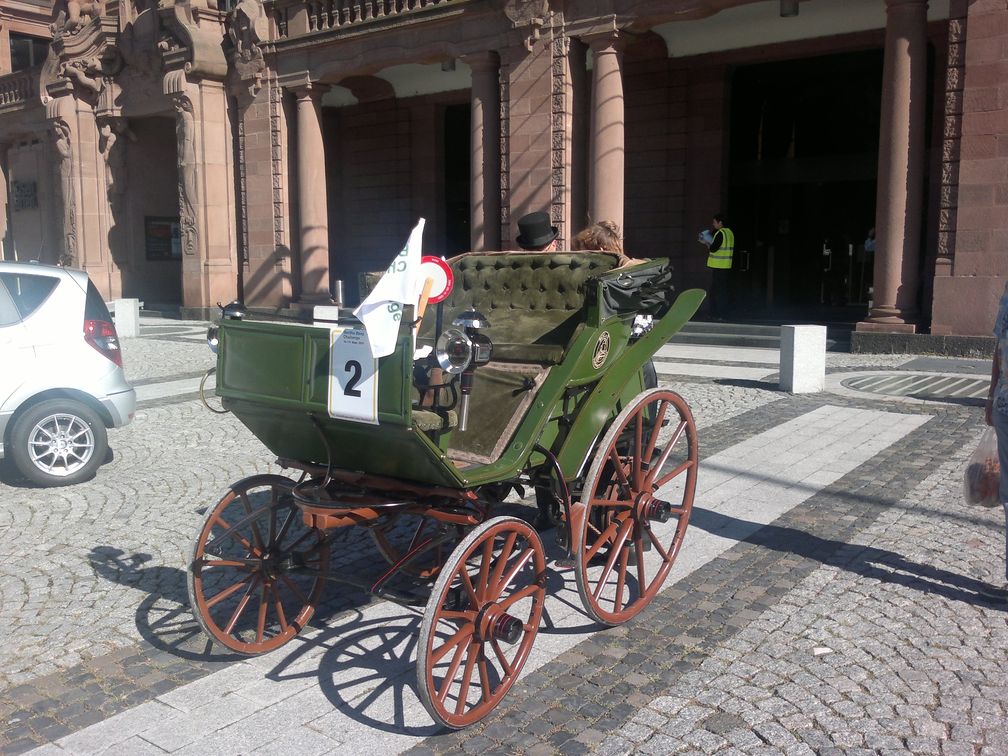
<point x="457" y="119"/>
<point x="803" y="165"/>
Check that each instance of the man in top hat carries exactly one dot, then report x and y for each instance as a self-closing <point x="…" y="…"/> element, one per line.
<point x="536" y="234"/>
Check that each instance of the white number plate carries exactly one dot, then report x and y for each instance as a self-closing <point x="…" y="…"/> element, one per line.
<point x="353" y="376"/>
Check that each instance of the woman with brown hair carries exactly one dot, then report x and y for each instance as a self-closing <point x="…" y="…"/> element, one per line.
<point x="603" y="236"/>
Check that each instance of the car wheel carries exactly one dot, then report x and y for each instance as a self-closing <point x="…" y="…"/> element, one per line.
<point x="58" y="442"/>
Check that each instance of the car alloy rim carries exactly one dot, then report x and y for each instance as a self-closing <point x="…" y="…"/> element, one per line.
<point x="61" y="444"/>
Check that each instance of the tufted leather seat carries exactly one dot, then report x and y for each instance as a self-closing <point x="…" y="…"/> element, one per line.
<point x="533" y="300"/>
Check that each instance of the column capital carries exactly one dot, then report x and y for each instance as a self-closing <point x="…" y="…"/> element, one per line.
<point x="487" y="60"/>
<point x="609" y="41"/>
<point x="309" y="90"/>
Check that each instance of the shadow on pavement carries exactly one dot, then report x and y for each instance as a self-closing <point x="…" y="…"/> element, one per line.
<point x="878" y="564"/>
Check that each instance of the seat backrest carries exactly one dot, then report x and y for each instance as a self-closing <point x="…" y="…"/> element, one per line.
<point x="533" y="300"/>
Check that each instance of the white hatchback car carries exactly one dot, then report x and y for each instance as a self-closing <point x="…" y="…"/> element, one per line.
<point x="61" y="376"/>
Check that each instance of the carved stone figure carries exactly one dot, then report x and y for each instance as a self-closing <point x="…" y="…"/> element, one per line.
<point x="64" y="171"/>
<point x="185" y="134"/>
<point x="79" y="13"/>
<point x="114" y="152"/>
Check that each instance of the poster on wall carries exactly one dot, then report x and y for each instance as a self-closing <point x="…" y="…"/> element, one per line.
<point x="162" y="238"/>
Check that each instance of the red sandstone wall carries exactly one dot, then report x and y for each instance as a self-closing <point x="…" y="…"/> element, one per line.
<point x="976" y="260"/>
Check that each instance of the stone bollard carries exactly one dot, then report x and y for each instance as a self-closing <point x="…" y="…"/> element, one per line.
<point x="126" y="316"/>
<point x="803" y="358"/>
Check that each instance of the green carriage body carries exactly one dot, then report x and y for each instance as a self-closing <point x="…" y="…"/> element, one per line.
<point x="563" y="365"/>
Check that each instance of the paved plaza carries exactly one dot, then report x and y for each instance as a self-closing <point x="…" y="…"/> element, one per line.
<point x="828" y="597"/>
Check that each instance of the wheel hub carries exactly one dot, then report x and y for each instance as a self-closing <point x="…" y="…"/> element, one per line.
<point x="495" y="623"/>
<point x="649" y="508"/>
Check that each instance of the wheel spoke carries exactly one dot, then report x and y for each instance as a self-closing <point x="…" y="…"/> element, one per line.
<point x="514" y="598"/>
<point x="653" y="440"/>
<point x="229" y="591"/>
<point x="664" y="479"/>
<point x="286" y="525"/>
<point x="256" y="535"/>
<point x="484" y="572"/>
<point x="638" y="442"/>
<point x="462" y="634"/>
<point x="449" y="677"/>
<point x="467" y="675"/>
<point x="657" y="543"/>
<point x="625" y="529"/>
<point x="666" y="452"/>
<point x="519" y="565"/>
<point x="620" y="469"/>
<point x="229" y="628"/>
<point x="484" y="674"/>
<point x="508" y="669"/>
<point x="279" y="609"/>
<point x="494" y="587"/>
<point x="602" y="540"/>
<point x="297" y="591"/>
<point x="230" y="532"/>
<point x="621" y="578"/>
<point x="467" y="584"/>
<point x="610" y="503"/>
<point x="642" y="586"/>
<point x="247" y="565"/>
<point x="261" y="623"/>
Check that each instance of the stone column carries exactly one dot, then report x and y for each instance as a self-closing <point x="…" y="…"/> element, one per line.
<point x="484" y="144"/>
<point x="901" y="168"/>
<point x="314" y="209"/>
<point x="607" y="158"/>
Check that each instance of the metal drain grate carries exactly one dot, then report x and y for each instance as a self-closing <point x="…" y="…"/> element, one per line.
<point x="920" y="386"/>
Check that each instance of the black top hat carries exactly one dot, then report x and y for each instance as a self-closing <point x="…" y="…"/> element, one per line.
<point x="534" y="230"/>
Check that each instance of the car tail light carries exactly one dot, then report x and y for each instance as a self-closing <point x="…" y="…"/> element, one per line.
<point x="101" y="334"/>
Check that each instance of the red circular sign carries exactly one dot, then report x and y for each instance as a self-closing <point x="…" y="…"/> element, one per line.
<point x="442" y="278"/>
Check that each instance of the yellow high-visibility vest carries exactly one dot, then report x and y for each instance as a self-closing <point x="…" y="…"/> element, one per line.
<point x="721" y="258"/>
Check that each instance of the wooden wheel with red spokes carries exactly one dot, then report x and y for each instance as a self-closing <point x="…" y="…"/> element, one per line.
<point x="635" y="506"/>
<point x="257" y="570"/>
<point x="481" y="620"/>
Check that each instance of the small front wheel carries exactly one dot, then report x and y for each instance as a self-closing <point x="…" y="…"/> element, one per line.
<point x="480" y="622"/>
<point x="257" y="571"/>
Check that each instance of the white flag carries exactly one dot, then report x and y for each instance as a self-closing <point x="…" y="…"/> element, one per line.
<point x="381" y="311"/>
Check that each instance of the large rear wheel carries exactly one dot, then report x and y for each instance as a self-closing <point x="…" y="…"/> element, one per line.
<point x="257" y="570"/>
<point x="635" y="506"/>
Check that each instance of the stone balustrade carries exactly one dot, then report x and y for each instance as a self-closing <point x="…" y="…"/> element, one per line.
<point x="19" y="88"/>
<point x="326" y="15"/>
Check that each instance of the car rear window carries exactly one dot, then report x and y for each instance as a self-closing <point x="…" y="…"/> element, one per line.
<point x="94" y="305"/>
<point x="28" y="291"/>
<point x="8" y="312"/>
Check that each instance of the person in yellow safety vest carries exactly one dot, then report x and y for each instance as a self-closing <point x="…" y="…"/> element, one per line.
<point x="719" y="259"/>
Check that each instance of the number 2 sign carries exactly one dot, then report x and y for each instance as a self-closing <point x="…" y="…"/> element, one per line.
<point x="353" y="376"/>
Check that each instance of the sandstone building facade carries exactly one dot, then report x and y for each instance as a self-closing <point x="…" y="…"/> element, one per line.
<point x="190" y="151"/>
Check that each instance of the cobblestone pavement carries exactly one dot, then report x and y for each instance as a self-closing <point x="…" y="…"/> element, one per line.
<point x="852" y="621"/>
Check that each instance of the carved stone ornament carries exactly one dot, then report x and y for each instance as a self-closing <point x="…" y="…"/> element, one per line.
<point x="248" y="28"/>
<point x="527" y="13"/>
<point x="191" y="40"/>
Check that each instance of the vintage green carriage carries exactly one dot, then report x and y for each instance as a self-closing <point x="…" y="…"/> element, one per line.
<point x="538" y="380"/>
